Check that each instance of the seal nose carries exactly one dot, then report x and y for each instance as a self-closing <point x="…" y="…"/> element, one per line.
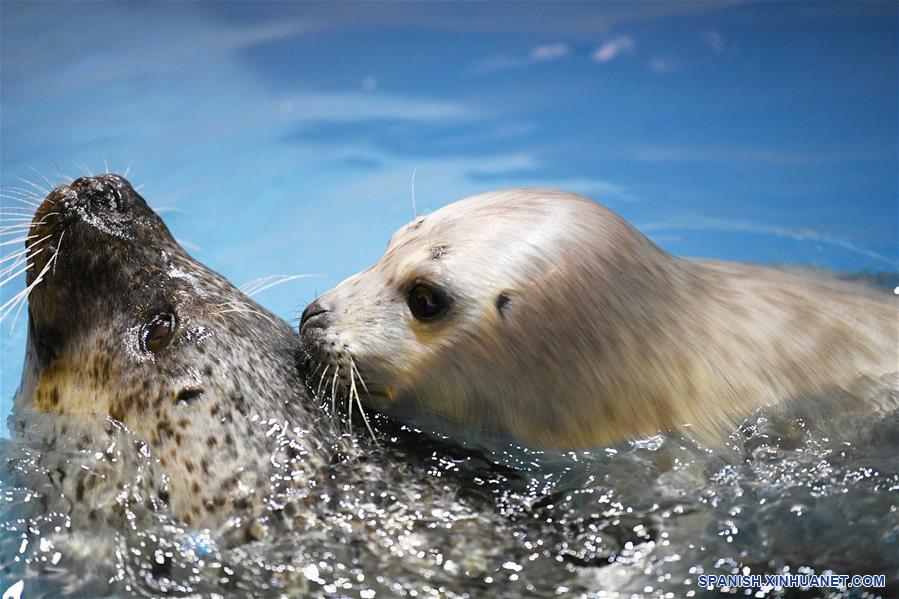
<point x="313" y="315"/>
<point x="104" y="192"/>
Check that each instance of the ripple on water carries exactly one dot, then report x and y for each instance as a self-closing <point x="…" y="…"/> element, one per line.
<point x="418" y="517"/>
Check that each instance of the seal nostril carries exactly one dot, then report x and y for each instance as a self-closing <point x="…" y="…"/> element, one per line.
<point x="104" y="192"/>
<point x="312" y="310"/>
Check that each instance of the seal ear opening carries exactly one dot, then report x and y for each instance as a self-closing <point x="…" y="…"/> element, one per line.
<point x="503" y="304"/>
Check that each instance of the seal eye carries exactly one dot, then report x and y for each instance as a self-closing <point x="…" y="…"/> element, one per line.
<point x="426" y="303"/>
<point x="158" y="333"/>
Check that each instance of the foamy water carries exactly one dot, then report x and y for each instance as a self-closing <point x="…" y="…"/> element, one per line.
<point x="419" y="517"/>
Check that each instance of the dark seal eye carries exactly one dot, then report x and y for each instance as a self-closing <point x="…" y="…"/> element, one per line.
<point x="157" y="334"/>
<point x="426" y="303"/>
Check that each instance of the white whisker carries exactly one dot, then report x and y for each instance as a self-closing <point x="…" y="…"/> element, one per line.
<point x="27" y="202"/>
<point x="14" y="208"/>
<point x="24" y="190"/>
<point x="41" y="175"/>
<point x="18" y="220"/>
<point x="13" y="276"/>
<point x="19" y="259"/>
<point x="334" y="390"/>
<point x="22" y="224"/>
<point x="283" y="279"/>
<point x="253" y="283"/>
<point x="128" y="170"/>
<point x="22" y="296"/>
<point x="17" y="196"/>
<point x="188" y="245"/>
<point x="160" y="210"/>
<point x="25" y="250"/>
<point x="34" y="185"/>
<point x="18" y="240"/>
<point x="17" y="254"/>
<point x="58" y="249"/>
<point x="354" y="372"/>
<point x="318" y="392"/>
<point x="64" y="176"/>
<point x="83" y="167"/>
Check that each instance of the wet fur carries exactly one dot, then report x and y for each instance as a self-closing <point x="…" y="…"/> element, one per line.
<point x="204" y="403"/>
<point x="569" y="328"/>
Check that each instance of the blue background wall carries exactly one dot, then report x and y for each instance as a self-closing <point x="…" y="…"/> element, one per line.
<point x="281" y="138"/>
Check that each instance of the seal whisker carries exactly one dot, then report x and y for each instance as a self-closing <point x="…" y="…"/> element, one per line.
<point x="334" y="391"/>
<point x="19" y="226"/>
<point x="13" y="276"/>
<point x="318" y="392"/>
<point x="25" y="191"/>
<point x="18" y="240"/>
<point x="12" y="266"/>
<point x="354" y="372"/>
<point x="46" y="192"/>
<point x="281" y="280"/>
<point x="18" y="212"/>
<point x="311" y="376"/>
<point x="28" y="201"/>
<point x="34" y="243"/>
<point x="16" y="229"/>
<point x="21" y="192"/>
<point x="21" y="253"/>
<point x="349" y="405"/>
<point x="59" y="172"/>
<point x="16" y="216"/>
<point x="252" y="284"/>
<point x="239" y="307"/>
<point x="54" y="259"/>
<point x="58" y="250"/>
<point x="14" y="256"/>
<point x="84" y="168"/>
<point x="6" y="308"/>
<point x="41" y="175"/>
<point x="22" y="200"/>
<point x="128" y="170"/>
<point x="188" y="245"/>
<point x="19" y="220"/>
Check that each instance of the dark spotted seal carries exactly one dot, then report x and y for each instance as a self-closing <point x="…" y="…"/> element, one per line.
<point x="122" y="322"/>
<point x="544" y="316"/>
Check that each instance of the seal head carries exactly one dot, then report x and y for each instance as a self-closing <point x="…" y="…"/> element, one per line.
<point x="122" y="322"/>
<point x="545" y="317"/>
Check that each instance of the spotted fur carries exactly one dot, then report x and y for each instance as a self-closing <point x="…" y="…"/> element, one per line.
<point x="205" y="402"/>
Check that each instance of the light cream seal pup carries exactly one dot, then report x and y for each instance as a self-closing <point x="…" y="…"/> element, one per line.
<point x="545" y="317"/>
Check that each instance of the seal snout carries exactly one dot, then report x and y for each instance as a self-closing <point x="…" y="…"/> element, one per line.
<point x="86" y="197"/>
<point x="103" y="192"/>
<point x="315" y="315"/>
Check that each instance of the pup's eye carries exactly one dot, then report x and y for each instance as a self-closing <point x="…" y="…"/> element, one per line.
<point x="426" y="303"/>
<point x="157" y="334"/>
